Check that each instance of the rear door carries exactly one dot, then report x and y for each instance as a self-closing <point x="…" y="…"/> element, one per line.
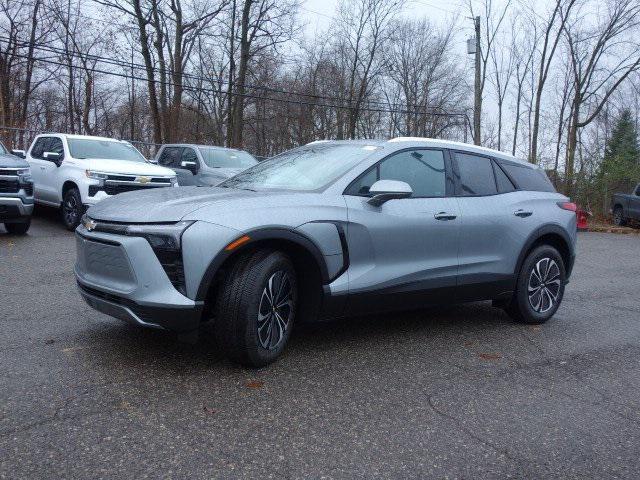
<point x="495" y="221"/>
<point x="403" y="253"/>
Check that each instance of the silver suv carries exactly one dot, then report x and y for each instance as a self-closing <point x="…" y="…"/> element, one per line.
<point x="331" y="229"/>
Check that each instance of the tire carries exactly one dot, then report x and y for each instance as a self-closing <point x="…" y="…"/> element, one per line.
<point x="527" y="306"/>
<point x="72" y="209"/>
<point x="618" y="217"/>
<point x="18" y="228"/>
<point x="246" y="326"/>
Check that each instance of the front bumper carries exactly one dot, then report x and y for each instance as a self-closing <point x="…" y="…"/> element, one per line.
<point x="14" y="208"/>
<point x="122" y="277"/>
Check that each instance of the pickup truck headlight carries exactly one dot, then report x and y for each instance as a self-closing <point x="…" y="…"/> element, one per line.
<point x="24" y="172"/>
<point x="96" y="175"/>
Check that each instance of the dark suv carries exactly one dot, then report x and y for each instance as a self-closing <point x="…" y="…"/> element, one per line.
<point x="16" y="191"/>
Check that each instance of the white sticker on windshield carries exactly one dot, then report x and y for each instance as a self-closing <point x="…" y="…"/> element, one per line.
<point x="369" y="147"/>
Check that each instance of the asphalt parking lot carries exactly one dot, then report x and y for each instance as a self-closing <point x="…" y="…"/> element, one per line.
<point x="455" y="392"/>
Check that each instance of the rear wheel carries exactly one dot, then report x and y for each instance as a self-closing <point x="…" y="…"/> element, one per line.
<point x="618" y="217"/>
<point x="256" y="308"/>
<point x="72" y="209"/>
<point x="18" y="228"/>
<point x="540" y="286"/>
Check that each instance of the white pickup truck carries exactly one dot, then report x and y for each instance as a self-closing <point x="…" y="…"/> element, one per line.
<point x="73" y="172"/>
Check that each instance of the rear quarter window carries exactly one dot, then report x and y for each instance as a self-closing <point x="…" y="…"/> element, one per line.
<point x="532" y="179"/>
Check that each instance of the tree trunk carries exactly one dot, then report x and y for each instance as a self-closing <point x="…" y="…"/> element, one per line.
<point x="238" y="110"/>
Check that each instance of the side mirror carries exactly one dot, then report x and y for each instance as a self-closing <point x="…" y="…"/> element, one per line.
<point x="53" y="157"/>
<point x="385" y="190"/>
<point x="191" y="166"/>
<point x="152" y="160"/>
<point x="19" y="153"/>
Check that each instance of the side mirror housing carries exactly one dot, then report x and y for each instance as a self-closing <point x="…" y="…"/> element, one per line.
<point x="384" y="190"/>
<point x="191" y="166"/>
<point x="19" y="153"/>
<point x="53" y="156"/>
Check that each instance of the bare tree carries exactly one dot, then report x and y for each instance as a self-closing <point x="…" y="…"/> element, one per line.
<point x="602" y="57"/>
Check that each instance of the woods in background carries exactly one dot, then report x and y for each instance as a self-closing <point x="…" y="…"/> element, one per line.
<point x="559" y="81"/>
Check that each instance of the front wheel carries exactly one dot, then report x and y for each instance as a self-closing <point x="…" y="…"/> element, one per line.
<point x="18" y="228"/>
<point x="72" y="209"/>
<point x="256" y="308"/>
<point x="540" y="286"/>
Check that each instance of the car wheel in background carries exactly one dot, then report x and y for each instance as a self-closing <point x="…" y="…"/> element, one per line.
<point x="18" y="228"/>
<point x="540" y="286"/>
<point x="256" y="308"/>
<point x="618" y="217"/>
<point x="72" y="209"/>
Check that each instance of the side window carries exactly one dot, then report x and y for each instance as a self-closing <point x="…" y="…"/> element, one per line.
<point x="504" y="184"/>
<point x="638" y="191"/>
<point x="423" y="170"/>
<point x="527" y="178"/>
<point x="476" y="175"/>
<point x="55" y="146"/>
<point x="40" y="147"/>
<point x="362" y="185"/>
<point x="189" y="155"/>
<point x="170" y="157"/>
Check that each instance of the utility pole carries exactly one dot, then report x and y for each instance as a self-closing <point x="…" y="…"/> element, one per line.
<point x="477" y="101"/>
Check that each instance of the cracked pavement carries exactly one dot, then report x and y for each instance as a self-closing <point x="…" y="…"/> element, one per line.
<point x="448" y="392"/>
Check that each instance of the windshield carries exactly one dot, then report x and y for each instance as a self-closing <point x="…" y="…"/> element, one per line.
<point x="83" y="148"/>
<point x="307" y="168"/>
<point x="221" y="158"/>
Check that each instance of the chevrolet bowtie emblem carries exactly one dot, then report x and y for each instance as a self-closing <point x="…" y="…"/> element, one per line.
<point x="89" y="224"/>
<point x="143" y="179"/>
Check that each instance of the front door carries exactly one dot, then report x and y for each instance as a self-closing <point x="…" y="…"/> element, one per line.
<point x="403" y="253"/>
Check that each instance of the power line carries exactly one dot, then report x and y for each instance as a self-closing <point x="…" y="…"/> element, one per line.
<point x="368" y="105"/>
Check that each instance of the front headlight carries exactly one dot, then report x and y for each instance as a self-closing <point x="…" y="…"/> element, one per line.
<point x="161" y="237"/>
<point x="96" y="175"/>
<point x="24" y="172"/>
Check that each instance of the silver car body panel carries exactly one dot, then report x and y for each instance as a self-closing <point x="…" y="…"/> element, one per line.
<point x="398" y="248"/>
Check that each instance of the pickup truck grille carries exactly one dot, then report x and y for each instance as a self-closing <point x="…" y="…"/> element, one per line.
<point x="9" y="186"/>
<point x="111" y="189"/>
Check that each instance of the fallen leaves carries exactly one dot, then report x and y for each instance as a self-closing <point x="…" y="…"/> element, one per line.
<point x="255" y="384"/>
<point x="490" y="356"/>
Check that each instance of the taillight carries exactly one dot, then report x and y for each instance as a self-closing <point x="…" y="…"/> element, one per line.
<point x="572" y="207"/>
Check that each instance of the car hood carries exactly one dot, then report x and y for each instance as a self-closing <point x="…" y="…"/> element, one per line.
<point x="11" y="161"/>
<point x="161" y="204"/>
<point x="124" y="167"/>
<point x="232" y="208"/>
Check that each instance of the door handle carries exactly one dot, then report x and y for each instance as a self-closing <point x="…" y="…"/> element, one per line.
<point x="522" y="214"/>
<point x="444" y="216"/>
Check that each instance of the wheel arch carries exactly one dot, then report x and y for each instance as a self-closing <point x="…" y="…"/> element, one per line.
<point x="307" y="258"/>
<point x="554" y="236"/>
<point x="66" y="186"/>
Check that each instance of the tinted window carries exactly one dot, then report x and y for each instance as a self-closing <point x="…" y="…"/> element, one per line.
<point x="526" y="178"/>
<point x="504" y="184"/>
<point x="39" y="147"/>
<point x="476" y="175"/>
<point x="189" y="155"/>
<point x="3" y="149"/>
<point x="170" y="157"/>
<point x="55" y="146"/>
<point x="423" y="170"/>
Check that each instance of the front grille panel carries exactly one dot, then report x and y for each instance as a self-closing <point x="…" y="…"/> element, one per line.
<point x="9" y="171"/>
<point x="9" y="186"/>
<point x="111" y="189"/>
<point x="28" y="189"/>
